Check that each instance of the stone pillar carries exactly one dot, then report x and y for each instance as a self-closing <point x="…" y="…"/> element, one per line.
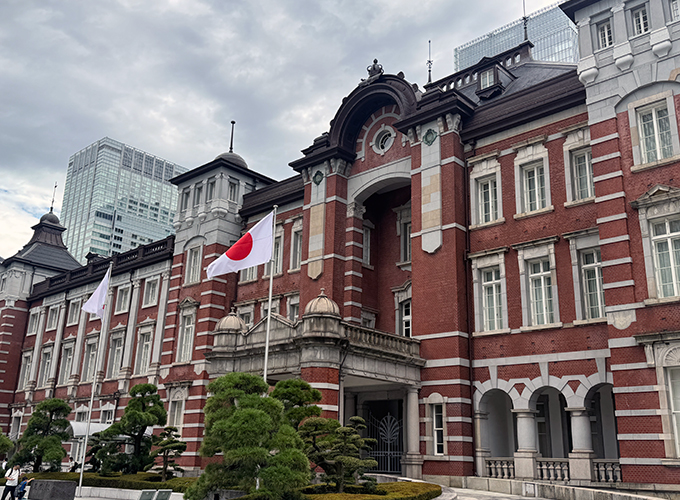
<point x="350" y="409"/>
<point x="130" y="335"/>
<point x="56" y="351"/>
<point x="412" y="461"/>
<point x="78" y="351"/>
<point x="482" y="449"/>
<point x="35" y="358"/>
<point x="157" y="347"/>
<point x="580" y="466"/>
<point x="527" y="450"/>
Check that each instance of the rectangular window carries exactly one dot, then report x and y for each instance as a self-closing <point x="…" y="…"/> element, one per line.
<point x="186" y="337"/>
<point x="115" y="357"/>
<point x="89" y="360"/>
<point x="106" y="417"/>
<point x="52" y="316"/>
<point x="655" y="133"/>
<point x="540" y="282"/>
<point x="210" y="189"/>
<point x="122" y="299"/>
<point x="438" y="428"/>
<point x="666" y="244"/>
<point x="45" y="365"/>
<point x="248" y="274"/>
<point x="175" y="413"/>
<point x="81" y="416"/>
<point x="534" y="187"/>
<point x="582" y="170"/>
<point x="194" y="265"/>
<point x="296" y="250"/>
<point x="233" y="191"/>
<point x="406" y="241"/>
<point x="488" y="200"/>
<point x="491" y="296"/>
<point x="293" y="307"/>
<point x="143" y="353"/>
<point x="674" y="384"/>
<point x="593" y="291"/>
<point x="73" y="312"/>
<point x="604" y="35"/>
<point x="366" y="258"/>
<point x="198" y="191"/>
<point x="640" y="24"/>
<point x="247" y="318"/>
<point x="25" y="371"/>
<point x="185" y="200"/>
<point x="66" y="364"/>
<point x="33" y="323"/>
<point x="405" y="310"/>
<point x="277" y="258"/>
<point x="675" y="10"/>
<point x="486" y="79"/>
<point x="15" y="430"/>
<point x="150" y="292"/>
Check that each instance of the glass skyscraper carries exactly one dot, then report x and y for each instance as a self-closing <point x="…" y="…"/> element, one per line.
<point x="117" y="197"/>
<point x="554" y="36"/>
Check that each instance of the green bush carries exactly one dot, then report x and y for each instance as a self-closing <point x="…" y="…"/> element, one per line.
<point x="393" y="491"/>
<point x="139" y="481"/>
<point x="352" y="489"/>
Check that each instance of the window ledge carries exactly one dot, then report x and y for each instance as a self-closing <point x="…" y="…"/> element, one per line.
<point x="670" y="462"/>
<point x="654" y="164"/>
<point x="577" y="203"/>
<point x="294" y="271"/>
<point x="368" y="266"/>
<point x="149" y="305"/>
<point x="404" y="266"/>
<point x="487" y="224"/>
<point x="277" y="275"/>
<point x="593" y="321"/>
<point x="661" y="301"/>
<point x="541" y="211"/>
<point x="483" y="333"/>
<point x="247" y="281"/>
<point x="540" y="327"/>
<point x="72" y="324"/>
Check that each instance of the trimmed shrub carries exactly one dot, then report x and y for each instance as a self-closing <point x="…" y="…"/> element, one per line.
<point x="139" y="481"/>
<point x="394" y="491"/>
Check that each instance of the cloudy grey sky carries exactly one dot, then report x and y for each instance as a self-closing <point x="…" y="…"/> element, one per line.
<point x="168" y="76"/>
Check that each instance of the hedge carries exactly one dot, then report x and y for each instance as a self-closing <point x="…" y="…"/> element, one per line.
<point x="395" y="491"/>
<point x="139" y="481"/>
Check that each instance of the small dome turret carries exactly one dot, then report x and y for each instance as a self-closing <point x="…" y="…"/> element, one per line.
<point x="322" y="305"/>
<point x="50" y="218"/>
<point x="233" y="158"/>
<point x="231" y="323"/>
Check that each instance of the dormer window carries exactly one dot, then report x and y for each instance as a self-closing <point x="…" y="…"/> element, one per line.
<point x="486" y="79"/>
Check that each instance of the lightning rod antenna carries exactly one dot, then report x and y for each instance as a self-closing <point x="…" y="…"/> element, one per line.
<point x="231" y="143"/>
<point x="429" y="61"/>
<point x="525" y="19"/>
<point x="54" y="192"/>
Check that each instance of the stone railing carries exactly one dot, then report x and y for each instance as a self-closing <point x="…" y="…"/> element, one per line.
<point x="606" y="471"/>
<point x="383" y="341"/>
<point x="500" y="468"/>
<point x="552" y="469"/>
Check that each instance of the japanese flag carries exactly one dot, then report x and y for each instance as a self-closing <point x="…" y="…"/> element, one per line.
<point x="97" y="303"/>
<point x="254" y="248"/>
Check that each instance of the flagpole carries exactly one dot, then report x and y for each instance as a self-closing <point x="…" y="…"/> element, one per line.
<point x="94" y="385"/>
<point x="271" y="285"/>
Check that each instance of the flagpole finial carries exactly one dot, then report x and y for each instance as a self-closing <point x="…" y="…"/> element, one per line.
<point x="231" y="143"/>
<point x="54" y="193"/>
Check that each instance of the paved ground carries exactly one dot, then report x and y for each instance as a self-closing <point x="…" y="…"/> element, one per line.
<point x="465" y="494"/>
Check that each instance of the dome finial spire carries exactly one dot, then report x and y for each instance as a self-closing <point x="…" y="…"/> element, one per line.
<point x="54" y="193"/>
<point x="231" y="143"/>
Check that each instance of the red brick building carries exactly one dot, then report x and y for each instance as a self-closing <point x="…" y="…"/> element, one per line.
<point x="486" y="269"/>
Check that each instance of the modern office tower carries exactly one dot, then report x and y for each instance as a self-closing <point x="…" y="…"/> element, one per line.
<point x="554" y="36"/>
<point x="116" y="198"/>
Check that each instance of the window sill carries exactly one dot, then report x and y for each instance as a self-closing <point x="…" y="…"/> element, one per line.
<point x="484" y="225"/>
<point x="404" y="266"/>
<point x="670" y="462"/>
<point x="191" y="283"/>
<point x="593" y="321"/>
<point x="578" y="203"/>
<point x="72" y="324"/>
<point x="277" y="275"/>
<point x="294" y="271"/>
<point x="540" y="327"/>
<point x="368" y="266"/>
<point x="542" y="211"/>
<point x="654" y="164"/>
<point x="503" y="331"/>
<point x="247" y="281"/>
<point x="144" y="306"/>
<point x="117" y="312"/>
<point x="662" y="301"/>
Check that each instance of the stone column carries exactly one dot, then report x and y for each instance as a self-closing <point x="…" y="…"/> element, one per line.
<point x="412" y="460"/>
<point x="56" y="351"/>
<point x="349" y="407"/>
<point x="580" y="466"/>
<point x="157" y="347"/>
<point x="527" y="450"/>
<point x="78" y="351"/>
<point x="103" y="341"/>
<point x="35" y="358"/>
<point x="482" y="449"/>
<point x="130" y="335"/>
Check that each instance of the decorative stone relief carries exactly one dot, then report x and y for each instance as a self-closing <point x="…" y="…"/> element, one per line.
<point x="621" y="319"/>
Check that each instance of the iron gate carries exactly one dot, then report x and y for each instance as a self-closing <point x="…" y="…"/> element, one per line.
<point x="389" y="432"/>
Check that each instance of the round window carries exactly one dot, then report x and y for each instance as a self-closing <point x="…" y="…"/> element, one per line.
<point x="383" y="140"/>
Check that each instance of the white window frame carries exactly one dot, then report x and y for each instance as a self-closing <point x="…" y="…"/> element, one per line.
<point x="605" y="35"/>
<point x="366" y="245"/>
<point x="368" y="319"/>
<point x="248" y="274"/>
<point x="482" y="261"/>
<point x="658" y="100"/>
<point x="151" y="299"/>
<point x="233" y="189"/>
<point x="438" y="429"/>
<point x="540" y="280"/>
<point x="143" y="352"/>
<point x="592" y="267"/>
<point x="115" y="361"/>
<point x="25" y="371"/>
<point x="296" y="246"/>
<point x="640" y="20"/>
<point x="184" y="200"/>
<point x="194" y="265"/>
<point x="404" y="233"/>
<point x="89" y="360"/>
<point x="74" y="311"/>
<point x="527" y="254"/>
<point x="293" y="302"/>
<point x="52" y="318"/>
<point x="246" y="313"/>
<point x="198" y="193"/>
<point x="577" y="143"/>
<point x="186" y="332"/>
<point x="210" y="189"/>
<point x="66" y="363"/>
<point x="277" y="253"/>
<point x="675" y="10"/>
<point x="15" y="426"/>
<point x="107" y="414"/>
<point x="406" y="318"/>
<point x="529" y="158"/>
<point x="671" y="238"/>
<point x="265" y="303"/>
<point x="657" y="153"/>
<point x="581" y="242"/>
<point x="533" y="183"/>
<point x="46" y="360"/>
<point x="177" y="397"/>
<point x="486" y="78"/>
<point x="485" y="168"/>
<point x="33" y="323"/>
<point x="122" y="299"/>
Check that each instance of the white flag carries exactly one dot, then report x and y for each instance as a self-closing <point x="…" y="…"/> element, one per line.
<point x="97" y="303"/>
<point x="254" y="248"/>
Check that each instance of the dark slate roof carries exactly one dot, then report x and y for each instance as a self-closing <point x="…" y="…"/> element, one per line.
<point x="261" y="200"/>
<point x="228" y="160"/>
<point x="571" y="6"/>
